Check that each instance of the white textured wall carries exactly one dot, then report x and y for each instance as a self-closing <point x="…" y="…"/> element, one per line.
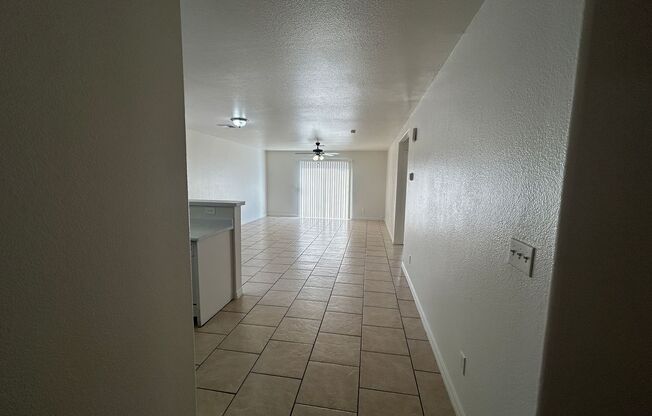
<point x="368" y="183"/>
<point x="222" y="169"/>
<point x="488" y="164"/>
<point x="598" y="342"/>
<point x="95" y="272"/>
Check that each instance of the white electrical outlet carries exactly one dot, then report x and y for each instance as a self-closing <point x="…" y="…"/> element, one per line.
<point x="462" y="363"/>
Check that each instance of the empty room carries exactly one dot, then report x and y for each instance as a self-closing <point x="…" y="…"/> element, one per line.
<point x="326" y="208"/>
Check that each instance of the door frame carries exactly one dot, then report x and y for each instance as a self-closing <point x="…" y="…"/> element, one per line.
<point x="401" y="188"/>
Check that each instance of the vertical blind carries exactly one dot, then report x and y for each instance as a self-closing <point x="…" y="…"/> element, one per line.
<point x="325" y="189"/>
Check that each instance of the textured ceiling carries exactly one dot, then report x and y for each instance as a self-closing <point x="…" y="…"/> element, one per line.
<point x="300" y="69"/>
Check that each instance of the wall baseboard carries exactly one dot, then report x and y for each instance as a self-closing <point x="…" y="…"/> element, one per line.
<point x="274" y="214"/>
<point x="450" y="388"/>
<point x="252" y="220"/>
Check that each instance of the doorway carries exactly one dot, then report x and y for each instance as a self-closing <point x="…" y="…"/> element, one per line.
<point x="401" y="189"/>
<point x="325" y="189"/>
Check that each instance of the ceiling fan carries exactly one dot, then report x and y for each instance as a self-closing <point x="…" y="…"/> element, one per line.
<point x="236" y="123"/>
<point x="318" y="154"/>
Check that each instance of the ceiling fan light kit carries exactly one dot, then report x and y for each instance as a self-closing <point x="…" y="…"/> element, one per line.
<point x="317" y="152"/>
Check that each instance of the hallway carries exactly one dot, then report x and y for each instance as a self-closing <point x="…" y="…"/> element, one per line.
<point x="481" y="171"/>
<point x="326" y="325"/>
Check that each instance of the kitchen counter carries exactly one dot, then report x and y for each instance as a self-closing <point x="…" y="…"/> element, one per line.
<point x="215" y="203"/>
<point x="201" y="228"/>
<point x="215" y="244"/>
<point x="215" y="210"/>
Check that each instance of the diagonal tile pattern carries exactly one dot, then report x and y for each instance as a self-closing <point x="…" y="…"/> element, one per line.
<point x="326" y="325"/>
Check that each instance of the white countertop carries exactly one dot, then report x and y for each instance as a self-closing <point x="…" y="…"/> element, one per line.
<point x="215" y="203"/>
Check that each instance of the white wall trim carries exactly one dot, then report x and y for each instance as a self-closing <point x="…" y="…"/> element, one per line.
<point x="281" y="214"/>
<point x="452" y="393"/>
<point x="254" y="219"/>
<point x="273" y="214"/>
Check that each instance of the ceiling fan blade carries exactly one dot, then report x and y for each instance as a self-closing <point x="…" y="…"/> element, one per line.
<point x="331" y="154"/>
<point x="231" y="126"/>
<point x="304" y="153"/>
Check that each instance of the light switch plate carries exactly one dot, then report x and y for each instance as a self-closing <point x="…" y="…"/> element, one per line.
<point x="521" y="256"/>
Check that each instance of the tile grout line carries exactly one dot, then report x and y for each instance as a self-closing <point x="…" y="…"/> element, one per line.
<point x="361" y="325"/>
<point x="313" y="346"/>
<point x="411" y="360"/>
<point x="261" y="353"/>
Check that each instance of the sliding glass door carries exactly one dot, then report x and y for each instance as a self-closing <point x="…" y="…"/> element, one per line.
<point x="325" y="189"/>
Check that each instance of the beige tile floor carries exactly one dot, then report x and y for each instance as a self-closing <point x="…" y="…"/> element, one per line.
<point x="326" y="326"/>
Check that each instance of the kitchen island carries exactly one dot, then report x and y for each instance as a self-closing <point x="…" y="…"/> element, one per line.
<point x="215" y="248"/>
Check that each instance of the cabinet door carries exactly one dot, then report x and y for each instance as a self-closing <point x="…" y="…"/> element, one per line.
<point x="215" y="274"/>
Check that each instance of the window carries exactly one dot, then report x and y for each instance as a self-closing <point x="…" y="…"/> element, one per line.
<point x="325" y="189"/>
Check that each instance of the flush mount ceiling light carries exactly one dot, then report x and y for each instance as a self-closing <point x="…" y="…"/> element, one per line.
<point x="236" y="123"/>
<point x="239" y="121"/>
